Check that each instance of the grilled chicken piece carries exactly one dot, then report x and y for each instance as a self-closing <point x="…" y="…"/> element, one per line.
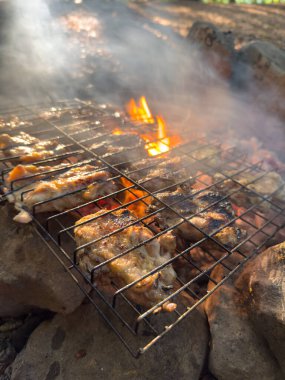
<point x="132" y="266"/>
<point x="157" y="173"/>
<point x="20" y="172"/>
<point x="266" y="184"/>
<point x="21" y="139"/>
<point x="39" y="151"/>
<point x="208" y="221"/>
<point x="119" y="148"/>
<point x="13" y="122"/>
<point x="94" y="184"/>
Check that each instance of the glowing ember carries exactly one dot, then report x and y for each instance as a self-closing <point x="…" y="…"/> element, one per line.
<point x="117" y="131"/>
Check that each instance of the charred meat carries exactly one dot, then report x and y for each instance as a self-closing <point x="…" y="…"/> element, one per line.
<point x="119" y="148"/>
<point x="158" y="173"/>
<point x="131" y="266"/>
<point x="206" y="212"/>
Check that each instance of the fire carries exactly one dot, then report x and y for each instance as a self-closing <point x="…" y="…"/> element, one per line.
<point x="140" y="112"/>
<point x="117" y="132"/>
<point x="161" y="146"/>
<point x="139" y="207"/>
<point x="157" y="141"/>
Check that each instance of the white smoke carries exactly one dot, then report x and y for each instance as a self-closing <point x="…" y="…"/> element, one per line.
<point x="38" y="61"/>
<point x="34" y="53"/>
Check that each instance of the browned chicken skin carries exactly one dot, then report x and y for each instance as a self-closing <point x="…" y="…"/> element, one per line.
<point x="132" y="266"/>
<point x="93" y="184"/>
<point x="20" y="172"/>
<point x="37" y="151"/>
<point x="21" y="139"/>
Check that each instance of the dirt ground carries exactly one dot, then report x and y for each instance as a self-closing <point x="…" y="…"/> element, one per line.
<point x="248" y="22"/>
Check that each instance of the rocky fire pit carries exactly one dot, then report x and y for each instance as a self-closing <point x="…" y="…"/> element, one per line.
<point x="49" y="331"/>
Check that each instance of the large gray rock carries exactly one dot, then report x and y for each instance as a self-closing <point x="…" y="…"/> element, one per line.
<point x="247" y="320"/>
<point x="262" y="285"/>
<point x="265" y="62"/>
<point x="81" y="346"/>
<point x="30" y="276"/>
<point x="218" y="46"/>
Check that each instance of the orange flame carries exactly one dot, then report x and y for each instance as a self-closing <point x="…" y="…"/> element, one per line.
<point x="117" y="131"/>
<point x="162" y="145"/>
<point x="139" y="207"/>
<point x="140" y="112"/>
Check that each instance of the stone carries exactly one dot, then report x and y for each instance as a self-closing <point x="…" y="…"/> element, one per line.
<point x="236" y="351"/>
<point x="30" y="276"/>
<point x="7" y="354"/>
<point x="217" y="46"/>
<point x="264" y="62"/>
<point x="262" y="285"/>
<point x="81" y="346"/>
<point x="14" y="333"/>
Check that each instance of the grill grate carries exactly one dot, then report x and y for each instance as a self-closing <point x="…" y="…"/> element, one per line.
<point x="209" y="166"/>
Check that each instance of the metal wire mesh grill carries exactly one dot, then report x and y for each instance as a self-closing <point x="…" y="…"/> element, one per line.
<point x="197" y="168"/>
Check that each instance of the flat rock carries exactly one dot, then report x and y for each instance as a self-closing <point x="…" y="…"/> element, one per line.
<point x="218" y="46"/>
<point x="236" y="351"/>
<point x="30" y="276"/>
<point x="81" y="346"/>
